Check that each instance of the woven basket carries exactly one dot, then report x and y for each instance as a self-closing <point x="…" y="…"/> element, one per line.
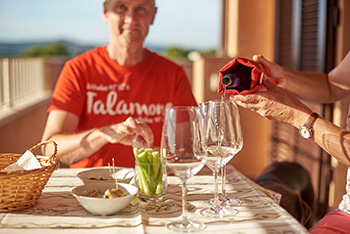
<point x="21" y="189"/>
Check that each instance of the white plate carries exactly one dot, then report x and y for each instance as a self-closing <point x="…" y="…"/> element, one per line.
<point x="98" y="175"/>
<point x="104" y="206"/>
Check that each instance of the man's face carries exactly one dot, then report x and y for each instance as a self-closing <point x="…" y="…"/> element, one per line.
<point x="129" y="20"/>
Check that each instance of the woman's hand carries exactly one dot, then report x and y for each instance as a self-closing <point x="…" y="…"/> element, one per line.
<point x="276" y="71"/>
<point x="274" y="103"/>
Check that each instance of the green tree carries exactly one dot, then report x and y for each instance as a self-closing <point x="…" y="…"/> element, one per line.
<point x="208" y="52"/>
<point x="54" y="49"/>
<point x="176" y="53"/>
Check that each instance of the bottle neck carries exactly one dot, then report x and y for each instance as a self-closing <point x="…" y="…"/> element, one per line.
<point x="230" y="80"/>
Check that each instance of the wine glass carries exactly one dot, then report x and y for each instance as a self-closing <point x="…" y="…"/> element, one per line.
<point x="182" y="149"/>
<point x="223" y="198"/>
<point x="222" y="139"/>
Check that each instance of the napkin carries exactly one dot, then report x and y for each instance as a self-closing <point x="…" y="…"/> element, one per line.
<point x="250" y="73"/>
<point x="26" y="162"/>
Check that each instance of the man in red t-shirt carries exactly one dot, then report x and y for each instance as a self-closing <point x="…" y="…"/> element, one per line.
<point x="108" y="95"/>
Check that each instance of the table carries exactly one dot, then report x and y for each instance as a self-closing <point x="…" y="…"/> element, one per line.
<point x="57" y="211"/>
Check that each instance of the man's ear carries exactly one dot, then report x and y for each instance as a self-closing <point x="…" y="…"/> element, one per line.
<point x="154" y="14"/>
<point x="104" y="15"/>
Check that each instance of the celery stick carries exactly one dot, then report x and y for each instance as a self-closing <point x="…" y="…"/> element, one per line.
<point x="148" y="150"/>
<point x="155" y="156"/>
<point x="153" y="185"/>
<point x="142" y="189"/>
<point x="136" y="151"/>
<point x="150" y="160"/>
<point x="141" y="150"/>
<point x="142" y="181"/>
<point x="145" y="169"/>
<point x="142" y="158"/>
<point x="159" y="189"/>
<point x="164" y="154"/>
<point x="160" y="173"/>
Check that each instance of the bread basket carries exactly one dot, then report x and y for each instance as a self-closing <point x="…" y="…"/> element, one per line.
<point x="21" y="189"/>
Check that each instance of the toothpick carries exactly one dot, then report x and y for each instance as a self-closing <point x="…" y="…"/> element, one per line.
<point x="116" y="179"/>
<point x="110" y="170"/>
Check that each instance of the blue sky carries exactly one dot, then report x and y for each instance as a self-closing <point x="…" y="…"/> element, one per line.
<point x="192" y="24"/>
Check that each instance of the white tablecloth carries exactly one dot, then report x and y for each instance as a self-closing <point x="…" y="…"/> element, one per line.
<point x="57" y="211"/>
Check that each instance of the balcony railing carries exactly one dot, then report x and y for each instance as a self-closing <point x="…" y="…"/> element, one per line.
<point x="21" y="79"/>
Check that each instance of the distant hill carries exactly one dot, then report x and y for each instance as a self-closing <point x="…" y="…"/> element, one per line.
<point x="15" y="49"/>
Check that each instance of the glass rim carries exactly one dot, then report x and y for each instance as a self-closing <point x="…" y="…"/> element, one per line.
<point x="218" y="101"/>
<point x="181" y="107"/>
<point x="142" y="163"/>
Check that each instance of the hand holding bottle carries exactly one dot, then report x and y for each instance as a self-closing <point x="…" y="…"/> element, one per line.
<point x="241" y="76"/>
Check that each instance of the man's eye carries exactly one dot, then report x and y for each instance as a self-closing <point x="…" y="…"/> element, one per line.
<point x="141" y="10"/>
<point x="119" y="8"/>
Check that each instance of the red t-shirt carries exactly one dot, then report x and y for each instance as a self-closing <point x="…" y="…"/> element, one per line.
<point x="101" y="92"/>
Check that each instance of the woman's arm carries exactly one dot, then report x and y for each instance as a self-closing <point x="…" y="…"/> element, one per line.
<point x="312" y="86"/>
<point x="334" y="140"/>
<point x="277" y="104"/>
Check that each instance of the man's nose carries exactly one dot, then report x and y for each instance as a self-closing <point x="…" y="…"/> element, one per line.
<point x="130" y="16"/>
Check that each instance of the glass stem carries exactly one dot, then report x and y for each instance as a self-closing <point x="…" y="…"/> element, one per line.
<point x="216" y="205"/>
<point x="184" y="201"/>
<point x="223" y="185"/>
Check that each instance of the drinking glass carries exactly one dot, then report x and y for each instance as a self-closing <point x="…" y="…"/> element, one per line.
<point x="223" y="198"/>
<point x="150" y="171"/>
<point x="222" y="139"/>
<point x="150" y="175"/>
<point x="181" y="146"/>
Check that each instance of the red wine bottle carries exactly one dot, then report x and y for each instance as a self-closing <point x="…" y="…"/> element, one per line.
<point x="239" y="78"/>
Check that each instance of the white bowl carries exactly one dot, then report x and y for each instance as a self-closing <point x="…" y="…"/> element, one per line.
<point x="98" y="175"/>
<point x="104" y="206"/>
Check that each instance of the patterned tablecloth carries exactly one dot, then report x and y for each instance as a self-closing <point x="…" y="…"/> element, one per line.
<point x="57" y="211"/>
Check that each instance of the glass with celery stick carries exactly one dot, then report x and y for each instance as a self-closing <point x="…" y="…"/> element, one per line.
<point x="181" y="146"/>
<point x="150" y="174"/>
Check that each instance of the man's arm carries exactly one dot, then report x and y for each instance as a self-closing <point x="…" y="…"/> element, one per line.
<point x="72" y="148"/>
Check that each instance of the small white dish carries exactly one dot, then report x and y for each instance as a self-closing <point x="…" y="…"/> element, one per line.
<point x="104" y="206"/>
<point x="98" y="175"/>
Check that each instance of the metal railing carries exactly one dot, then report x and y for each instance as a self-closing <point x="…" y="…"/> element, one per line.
<point x="21" y="79"/>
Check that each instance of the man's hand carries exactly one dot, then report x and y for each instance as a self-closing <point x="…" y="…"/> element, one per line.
<point x="126" y="131"/>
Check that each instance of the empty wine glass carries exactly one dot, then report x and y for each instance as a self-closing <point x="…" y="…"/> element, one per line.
<point x="222" y="139"/>
<point x="182" y="149"/>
